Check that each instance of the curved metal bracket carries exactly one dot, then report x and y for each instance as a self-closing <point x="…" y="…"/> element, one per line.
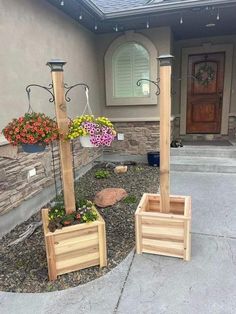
<point x="48" y="89"/>
<point x="67" y="98"/>
<point x="139" y="83"/>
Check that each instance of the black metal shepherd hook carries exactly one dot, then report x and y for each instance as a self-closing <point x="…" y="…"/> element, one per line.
<point x="67" y="98"/>
<point x="48" y="89"/>
<point x="140" y="82"/>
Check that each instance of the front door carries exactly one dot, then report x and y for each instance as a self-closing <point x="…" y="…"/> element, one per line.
<point x="205" y="92"/>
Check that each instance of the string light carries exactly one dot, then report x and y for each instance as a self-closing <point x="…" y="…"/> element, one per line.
<point x="147" y="24"/>
<point x="218" y="15"/>
<point x="95" y="27"/>
<point x="62" y="3"/>
<point x="80" y="16"/>
<point x="181" y="20"/>
<point x="116" y="28"/>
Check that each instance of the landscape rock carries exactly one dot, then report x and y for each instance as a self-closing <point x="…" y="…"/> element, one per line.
<point x="109" y="196"/>
<point x="120" y="169"/>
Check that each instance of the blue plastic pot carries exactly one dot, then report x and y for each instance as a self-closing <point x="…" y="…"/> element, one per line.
<point x="153" y="159"/>
<point x="33" y="148"/>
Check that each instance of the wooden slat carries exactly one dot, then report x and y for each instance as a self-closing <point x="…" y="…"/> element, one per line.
<point x="154" y="230"/>
<point x="150" y="250"/>
<point x="138" y="233"/>
<point x="141" y="204"/>
<point x="68" y="263"/>
<point x="75" y="234"/>
<point x="165" y="216"/>
<point x="102" y="244"/>
<point x="163" y="237"/>
<point x="156" y="221"/>
<point x="79" y="266"/>
<point x="187" y="234"/>
<point x="164" y="244"/>
<point x="174" y="208"/>
<point x="71" y="255"/>
<point x="49" y="244"/>
<point x="76" y="244"/>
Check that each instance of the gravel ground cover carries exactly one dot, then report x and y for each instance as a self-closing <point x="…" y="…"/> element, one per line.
<point x="23" y="267"/>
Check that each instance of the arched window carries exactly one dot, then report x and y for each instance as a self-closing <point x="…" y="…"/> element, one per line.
<point x="129" y="58"/>
<point x="130" y="62"/>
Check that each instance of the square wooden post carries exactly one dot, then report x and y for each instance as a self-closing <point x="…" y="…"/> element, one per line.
<point x="64" y="145"/>
<point x="165" y="113"/>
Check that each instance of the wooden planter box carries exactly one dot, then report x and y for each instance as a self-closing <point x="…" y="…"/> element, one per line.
<point x="74" y="247"/>
<point x="160" y="233"/>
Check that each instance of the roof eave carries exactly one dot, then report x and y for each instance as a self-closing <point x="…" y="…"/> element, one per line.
<point x="178" y="5"/>
<point x="91" y="6"/>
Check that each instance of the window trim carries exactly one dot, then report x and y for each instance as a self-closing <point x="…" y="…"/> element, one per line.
<point x="151" y="49"/>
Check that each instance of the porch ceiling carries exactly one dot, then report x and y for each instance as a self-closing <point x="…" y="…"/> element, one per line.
<point x="195" y="18"/>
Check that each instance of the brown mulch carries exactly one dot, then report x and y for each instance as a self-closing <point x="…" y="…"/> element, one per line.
<point x="23" y="268"/>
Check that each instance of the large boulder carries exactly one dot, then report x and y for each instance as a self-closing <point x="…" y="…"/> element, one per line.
<point x="110" y="196"/>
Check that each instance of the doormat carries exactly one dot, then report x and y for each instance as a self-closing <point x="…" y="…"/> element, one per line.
<point x="207" y="143"/>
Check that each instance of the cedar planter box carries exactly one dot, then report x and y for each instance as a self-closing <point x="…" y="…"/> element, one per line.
<point x="161" y="233"/>
<point x="74" y="247"/>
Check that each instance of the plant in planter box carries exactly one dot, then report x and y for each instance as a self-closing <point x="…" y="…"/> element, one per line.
<point x="74" y="240"/>
<point x="92" y="131"/>
<point x="85" y="212"/>
<point x="33" y="130"/>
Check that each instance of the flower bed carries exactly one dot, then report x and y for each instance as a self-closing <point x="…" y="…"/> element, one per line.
<point x="24" y="266"/>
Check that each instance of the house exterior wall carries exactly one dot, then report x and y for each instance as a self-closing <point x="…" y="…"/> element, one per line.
<point x="229" y="109"/>
<point x="161" y="38"/>
<point x="33" y="32"/>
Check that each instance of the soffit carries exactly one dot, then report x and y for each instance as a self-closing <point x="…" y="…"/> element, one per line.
<point x="194" y="18"/>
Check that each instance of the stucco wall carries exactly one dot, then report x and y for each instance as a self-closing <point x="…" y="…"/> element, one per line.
<point x="179" y="45"/>
<point x="161" y="38"/>
<point x="32" y="32"/>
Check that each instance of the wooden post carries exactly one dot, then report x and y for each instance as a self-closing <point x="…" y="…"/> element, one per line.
<point x="64" y="146"/>
<point x="165" y="113"/>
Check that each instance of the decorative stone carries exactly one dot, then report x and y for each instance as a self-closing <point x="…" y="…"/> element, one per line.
<point x="120" y="169"/>
<point x="110" y="196"/>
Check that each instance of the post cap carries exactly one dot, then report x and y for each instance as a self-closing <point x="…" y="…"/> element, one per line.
<point x="165" y="59"/>
<point x="56" y="65"/>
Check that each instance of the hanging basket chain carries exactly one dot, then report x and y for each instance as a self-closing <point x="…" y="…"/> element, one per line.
<point x="54" y="169"/>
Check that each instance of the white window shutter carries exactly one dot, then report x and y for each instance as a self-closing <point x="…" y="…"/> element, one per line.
<point x="129" y="64"/>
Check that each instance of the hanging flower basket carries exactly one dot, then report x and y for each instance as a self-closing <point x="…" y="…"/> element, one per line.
<point x="97" y="132"/>
<point x="85" y="141"/>
<point x="33" y="148"/>
<point x="33" y="131"/>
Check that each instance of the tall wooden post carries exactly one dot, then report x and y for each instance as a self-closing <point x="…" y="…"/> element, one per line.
<point x="165" y="114"/>
<point x="64" y="146"/>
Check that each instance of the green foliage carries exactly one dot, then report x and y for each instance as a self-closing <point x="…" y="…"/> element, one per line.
<point x="102" y="174"/>
<point x="130" y="199"/>
<point x="56" y="211"/>
<point x="85" y="212"/>
<point x="138" y="169"/>
<point x="89" y="215"/>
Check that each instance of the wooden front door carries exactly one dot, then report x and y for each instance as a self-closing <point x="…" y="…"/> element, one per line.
<point x="205" y="92"/>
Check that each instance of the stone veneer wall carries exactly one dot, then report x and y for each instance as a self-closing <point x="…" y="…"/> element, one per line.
<point x="139" y="137"/>
<point x="16" y="186"/>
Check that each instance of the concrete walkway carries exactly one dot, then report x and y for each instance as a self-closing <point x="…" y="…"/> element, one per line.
<point x="154" y="284"/>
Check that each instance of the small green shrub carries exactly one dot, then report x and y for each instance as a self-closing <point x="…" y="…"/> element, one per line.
<point x="101" y="174"/>
<point x="130" y="199"/>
